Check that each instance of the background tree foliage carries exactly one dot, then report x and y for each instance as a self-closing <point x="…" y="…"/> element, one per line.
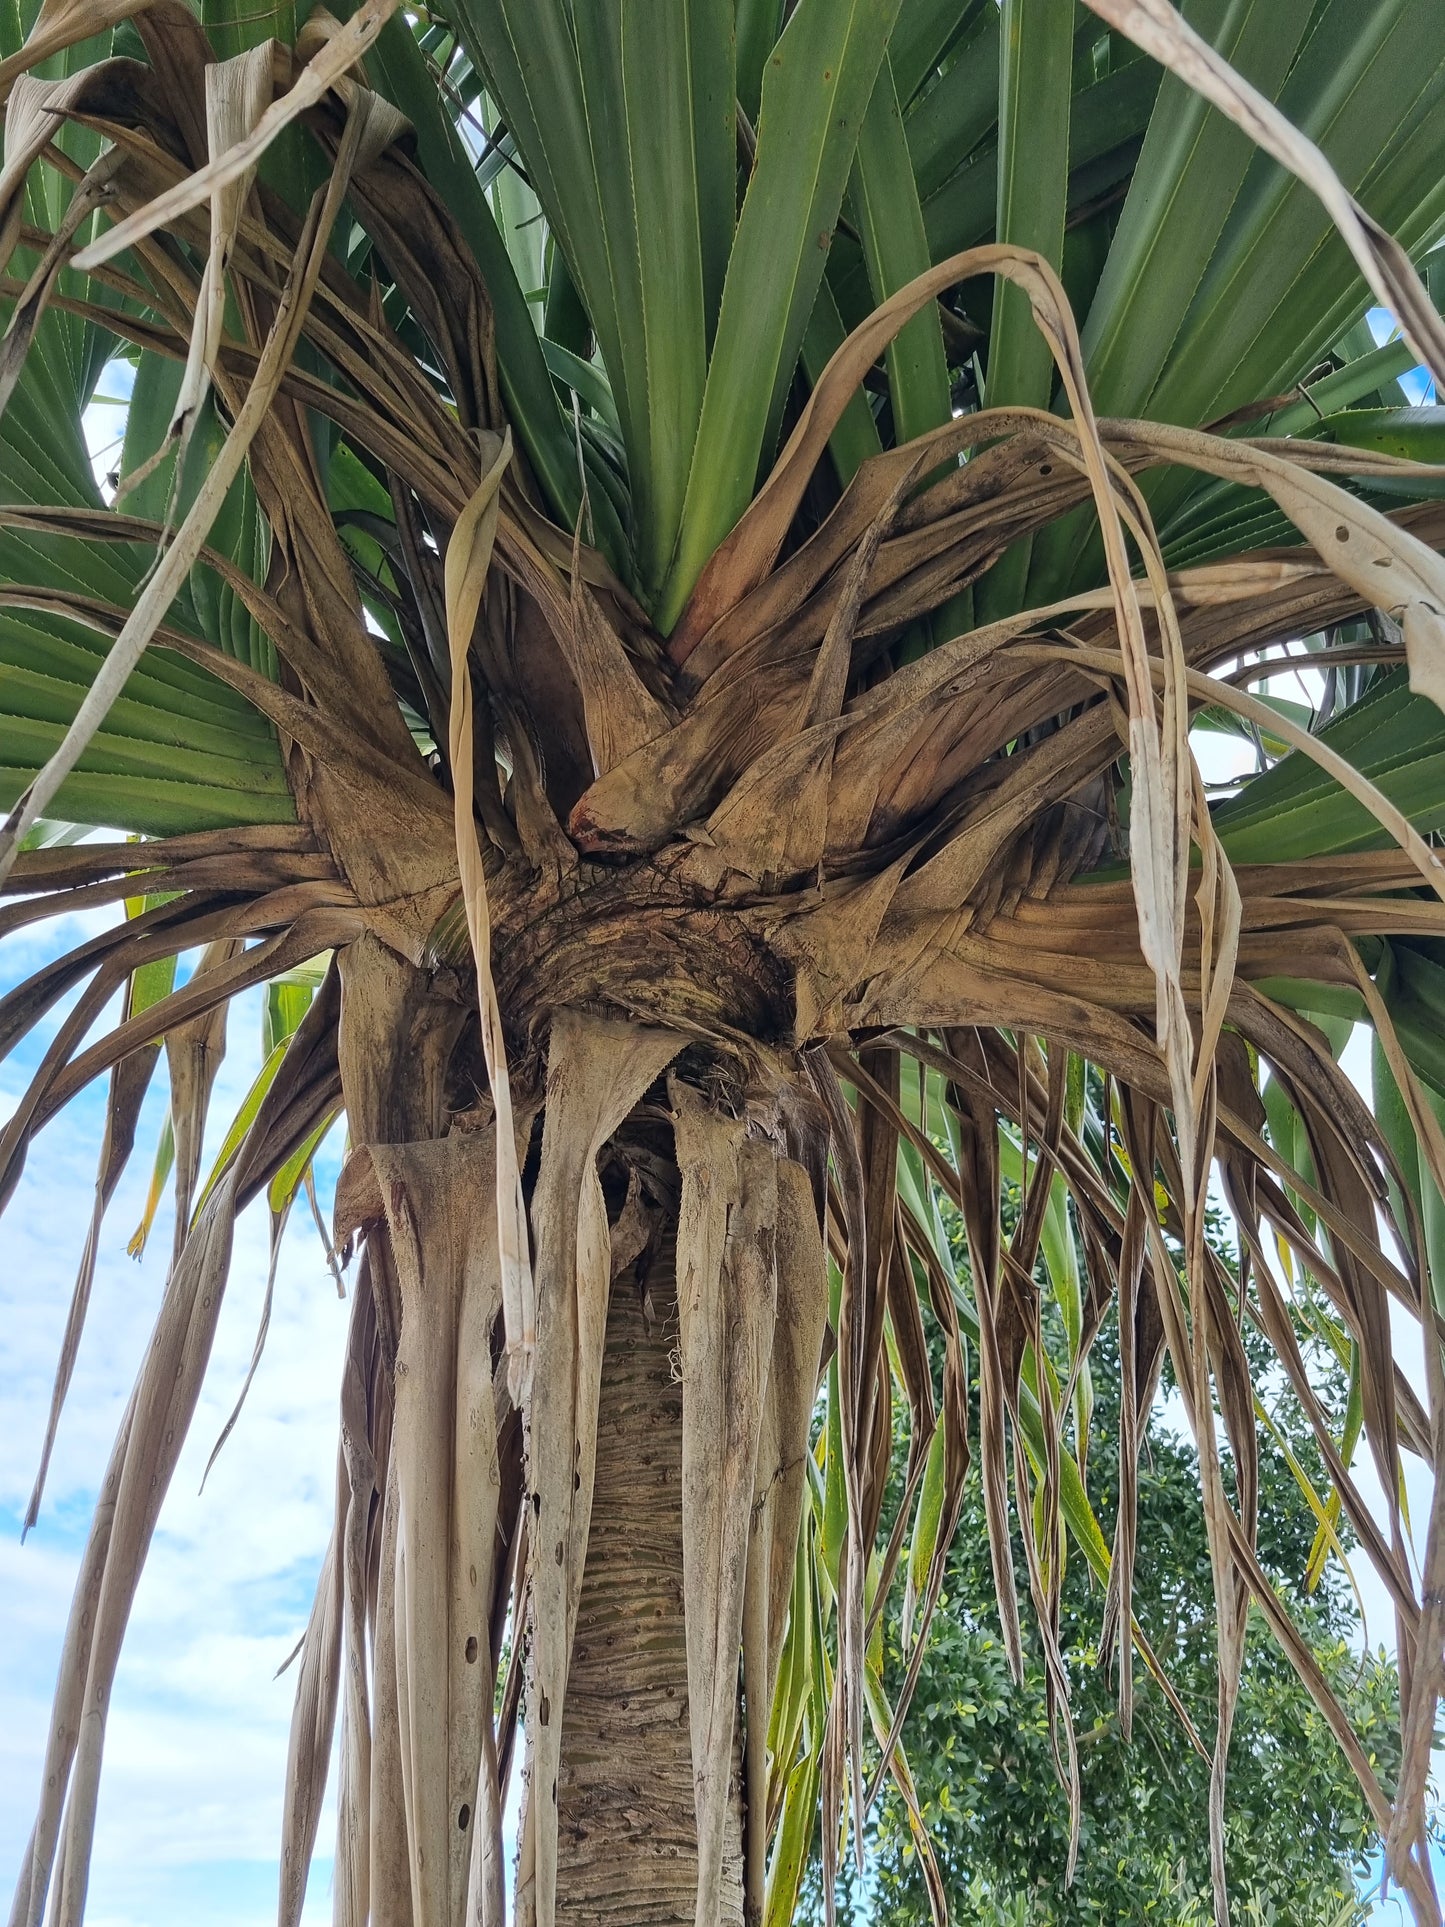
<point x="1299" y="1835"/>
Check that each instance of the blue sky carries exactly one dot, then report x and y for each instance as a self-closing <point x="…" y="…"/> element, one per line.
<point x="196" y="1747"/>
<point x="1418" y="387"/>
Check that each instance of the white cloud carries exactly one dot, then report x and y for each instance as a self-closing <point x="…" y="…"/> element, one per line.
<point x="189" y="1816"/>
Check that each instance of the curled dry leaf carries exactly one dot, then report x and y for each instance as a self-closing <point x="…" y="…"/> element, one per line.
<point x="60" y="24"/>
<point x="238" y="92"/>
<point x="33" y="116"/>
<point x="468" y="559"/>
<point x="338" y="53"/>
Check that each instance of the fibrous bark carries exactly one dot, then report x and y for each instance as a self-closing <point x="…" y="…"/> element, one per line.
<point x="627" y="1828"/>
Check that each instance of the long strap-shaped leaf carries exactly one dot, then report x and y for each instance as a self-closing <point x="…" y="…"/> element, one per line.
<point x="1036" y="58"/>
<point x="885" y="200"/>
<point x="817" y="85"/>
<point x="61" y="24"/>
<point x="468" y="559"/>
<point x="238" y="92"/>
<point x="1155" y="26"/>
<point x="399" y="70"/>
<point x="434" y="1198"/>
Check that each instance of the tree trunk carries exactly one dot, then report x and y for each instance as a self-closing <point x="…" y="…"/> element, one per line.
<point x="627" y="1825"/>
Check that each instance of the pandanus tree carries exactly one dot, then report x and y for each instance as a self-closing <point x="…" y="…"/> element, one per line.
<point x="679" y="547"/>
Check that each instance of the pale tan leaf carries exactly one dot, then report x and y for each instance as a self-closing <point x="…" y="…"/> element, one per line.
<point x="352" y="1866"/>
<point x="437" y="1200"/>
<point x="468" y="559"/>
<point x="1390" y="568"/>
<point x="313" y="1719"/>
<point x="339" y="53"/>
<point x="32" y="119"/>
<point x="238" y="92"/>
<point x="60" y="24"/>
<point x="620" y="714"/>
<point x="129" y="1082"/>
<point x="390" y="1869"/>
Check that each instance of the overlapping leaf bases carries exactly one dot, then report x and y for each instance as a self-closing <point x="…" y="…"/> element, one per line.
<point x="678" y="551"/>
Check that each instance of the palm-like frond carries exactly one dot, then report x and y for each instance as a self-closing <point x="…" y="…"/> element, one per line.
<point x="693" y="561"/>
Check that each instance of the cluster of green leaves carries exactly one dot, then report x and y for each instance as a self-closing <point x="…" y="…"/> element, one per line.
<point x="179" y="751"/>
<point x="1299" y="1833"/>
<point x="691" y="225"/>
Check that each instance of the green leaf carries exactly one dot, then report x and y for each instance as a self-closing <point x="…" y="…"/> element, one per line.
<point x="1295" y="810"/>
<point x="527" y="51"/>
<point x="286" y="1004"/>
<point x="282" y="1189"/>
<point x="1061" y="1257"/>
<point x="758" y="25"/>
<point x="1414" y="993"/>
<point x="1416" y="434"/>
<point x="1354" y="1425"/>
<point x="835" y="1502"/>
<point x="928" y="30"/>
<point x="890" y="223"/>
<point x="960" y="109"/>
<point x="241" y="1123"/>
<point x="856" y="437"/>
<point x="1035" y="95"/>
<point x="793" y="1844"/>
<point x="928" y="1516"/>
<point x="624" y="118"/>
<point x="1190" y="171"/>
<point x="1226" y="281"/>
<point x="1106" y="119"/>
<point x="174" y="753"/>
<point x="154" y="981"/>
<point x="179" y="750"/>
<point x="1334" y="392"/>
<point x="589" y="381"/>
<point x="401" y="74"/>
<point x="1367" y="87"/>
<point x="816" y="89"/>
